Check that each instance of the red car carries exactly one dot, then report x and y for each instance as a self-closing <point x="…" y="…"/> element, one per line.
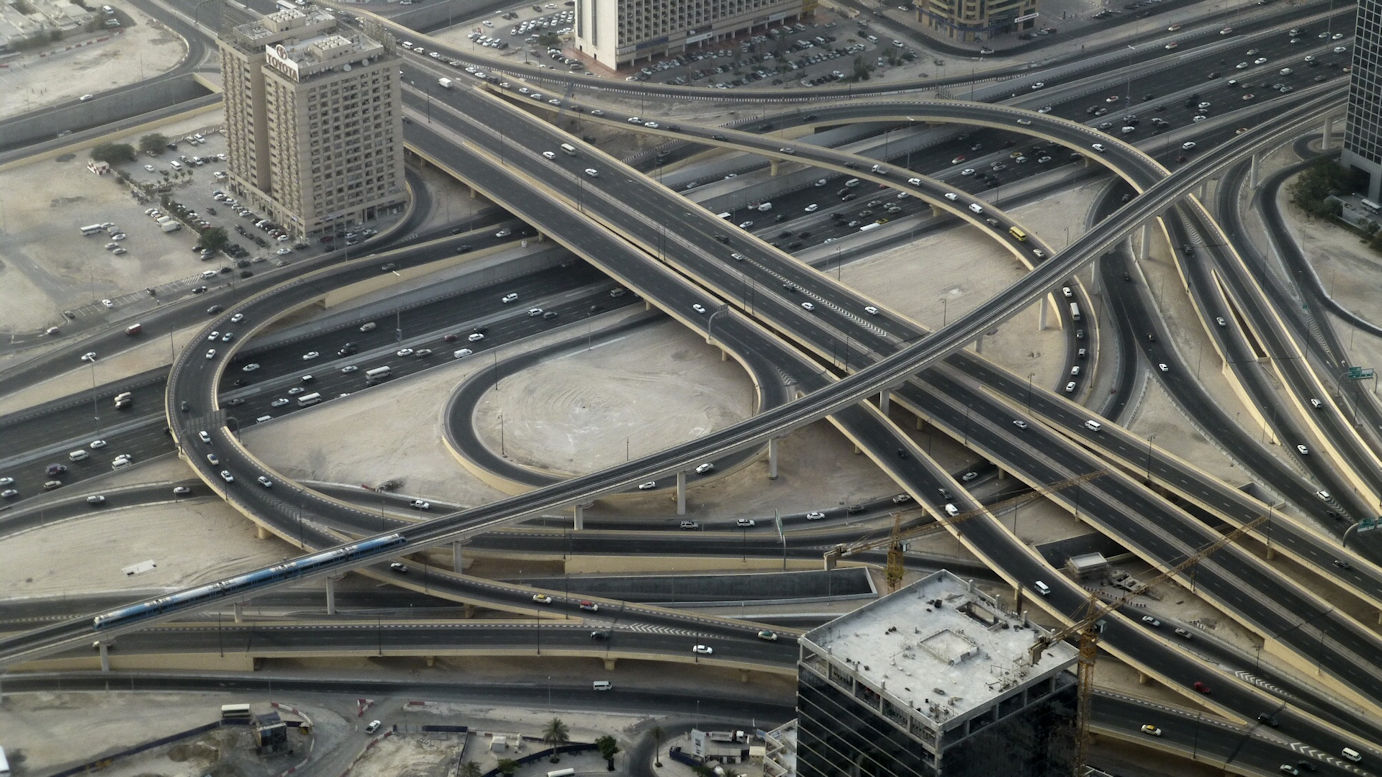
<point x="1201" y="687"/>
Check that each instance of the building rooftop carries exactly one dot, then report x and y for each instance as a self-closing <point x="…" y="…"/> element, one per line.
<point x="938" y="646"/>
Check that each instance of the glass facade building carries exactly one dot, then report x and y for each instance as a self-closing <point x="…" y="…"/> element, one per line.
<point x="1363" y="129"/>
<point x="934" y="684"/>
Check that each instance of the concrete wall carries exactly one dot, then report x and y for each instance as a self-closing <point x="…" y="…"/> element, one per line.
<point x="134" y="101"/>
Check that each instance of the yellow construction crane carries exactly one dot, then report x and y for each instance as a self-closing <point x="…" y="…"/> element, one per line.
<point x="1085" y="626"/>
<point x="893" y="570"/>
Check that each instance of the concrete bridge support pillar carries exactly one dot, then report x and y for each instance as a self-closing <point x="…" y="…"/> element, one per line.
<point x="105" y="657"/>
<point x="979" y="344"/>
<point x="431" y="661"/>
<point x="1041" y="313"/>
<point x="1146" y="249"/>
<point x="238" y="610"/>
<point x="884" y="401"/>
<point x="609" y="664"/>
<point x="772" y="168"/>
<point x="1254" y="171"/>
<point x="330" y="595"/>
<point x="773" y="444"/>
<point x="743" y="675"/>
<point x="457" y="557"/>
<point x="469" y="610"/>
<point x="578" y="520"/>
<point x="681" y="493"/>
<point x="1328" y="130"/>
<point x="1143" y="679"/>
<point x="920" y="424"/>
<point x="261" y="533"/>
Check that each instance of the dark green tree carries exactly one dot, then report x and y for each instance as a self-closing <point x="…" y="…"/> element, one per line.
<point x="113" y="153"/>
<point x="153" y="143"/>
<point x="470" y="769"/>
<point x="608" y="749"/>
<point x="507" y="766"/>
<point x="555" y="735"/>
<point x="214" y="239"/>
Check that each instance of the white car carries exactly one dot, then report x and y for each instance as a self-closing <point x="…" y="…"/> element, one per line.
<point x="815" y="515"/>
<point x="871" y="310"/>
<point x="510" y="297"/>
<point x="647" y="486"/>
<point x="1304" y="451"/>
<point x="1187" y="145"/>
<point x="107" y="303"/>
<point x="349" y="368"/>
<point x="807" y="306"/>
<point x="310" y="355"/>
<point x="89" y="356"/>
<point x="705" y="469"/>
<point x="420" y="504"/>
<point x="474" y="337"/>
<point x="226" y="476"/>
<point x="812" y="208"/>
<point x="704" y="650"/>
<point x="265" y="482"/>
<point x="403" y="352"/>
<point x="746" y="523"/>
<point x="211" y="353"/>
<point x="698" y="307"/>
<point x="373" y="726"/>
<point x="97" y="444"/>
<point x="592" y="172"/>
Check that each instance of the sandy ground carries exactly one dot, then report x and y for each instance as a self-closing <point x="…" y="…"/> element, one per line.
<point x="89" y="64"/>
<point x="47" y="265"/>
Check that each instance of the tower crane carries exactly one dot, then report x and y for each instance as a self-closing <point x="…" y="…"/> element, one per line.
<point x="1085" y="626"/>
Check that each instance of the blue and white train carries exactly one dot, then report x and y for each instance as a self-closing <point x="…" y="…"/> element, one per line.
<point x="286" y="570"/>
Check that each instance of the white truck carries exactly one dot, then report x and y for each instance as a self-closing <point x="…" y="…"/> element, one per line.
<point x="444" y="82"/>
<point x="171" y="226"/>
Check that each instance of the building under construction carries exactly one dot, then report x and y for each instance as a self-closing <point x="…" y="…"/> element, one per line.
<point x="934" y="680"/>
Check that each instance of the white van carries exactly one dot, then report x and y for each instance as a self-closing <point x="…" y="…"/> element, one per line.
<point x="951" y="510"/>
<point x="601" y="685"/>
<point x="851" y="183"/>
<point x="77" y="455"/>
<point x="568" y="149"/>
<point x="765" y="207"/>
<point x="1093" y="426"/>
<point x="1351" y="754"/>
<point x="1041" y="588"/>
<point x="976" y="207"/>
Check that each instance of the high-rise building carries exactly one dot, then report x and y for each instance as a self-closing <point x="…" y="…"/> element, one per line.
<point x="313" y="121"/>
<point x="933" y="681"/>
<point x="974" y="20"/>
<point x="1363" y="129"/>
<point x="617" y="33"/>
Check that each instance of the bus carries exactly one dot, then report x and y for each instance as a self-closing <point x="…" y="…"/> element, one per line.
<point x="307" y="400"/>
<point x="1366" y="203"/>
<point x="377" y="374"/>
<point x="1074" y="312"/>
<point x="1017" y="233"/>
<point x="124" y="400"/>
<point x="92" y="229"/>
<point x="235" y="712"/>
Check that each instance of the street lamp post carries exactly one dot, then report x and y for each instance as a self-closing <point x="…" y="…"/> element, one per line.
<point x="1128" y="97"/>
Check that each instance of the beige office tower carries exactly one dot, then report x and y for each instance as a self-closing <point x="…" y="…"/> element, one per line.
<point x="313" y="121"/>
<point x="618" y="33"/>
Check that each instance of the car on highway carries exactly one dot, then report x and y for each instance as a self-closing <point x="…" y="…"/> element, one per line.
<point x="1150" y="621"/>
<point x="96" y="499"/>
<point x="398" y="567"/>
<point x="968" y="476"/>
<point x="699" y="308"/>
<point x="251" y="367"/>
<point x="89" y="356"/>
<point x="648" y="486"/>
<point x="310" y="355"/>
<point x="1183" y="633"/>
<point x="349" y="368"/>
<point x="198" y="289"/>
<point x="107" y="303"/>
<point x="505" y="232"/>
<point x="510" y="297"/>
<point x="812" y="208"/>
<point x="534" y="312"/>
<point x="475" y="337"/>
<point x="373" y="726"/>
<point x="542" y="598"/>
<point x="592" y="172"/>
<point x="588" y="606"/>
<point x="1019" y="423"/>
<point x="1302" y="450"/>
<point x="1098" y="147"/>
<point x="1288" y="769"/>
<point x="181" y="490"/>
<point x="213" y="459"/>
<point x="226" y="476"/>
<point x="237" y="318"/>
<point x="1163" y="367"/>
<point x="420" y="504"/>
<point x="767" y="636"/>
<point x="1148" y="728"/>
<point x="688" y="525"/>
<point x="279" y="402"/>
<point x="807" y="306"/>
<point x="815" y="515"/>
<point x="705" y="469"/>
<point x="295" y="390"/>
<point x="265" y="482"/>
<point x="746" y="523"/>
<point x="704" y="650"/>
<point x="1267" y="718"/>
<point x="1200" y="687"/>
<point x="1187" y="145"/>
<point x="1323" y="495"/>
<point x="9" y="493"/>
<point x="211" y="353"/>
<point x="95" y="445"/>
<point x="403" y="352"/>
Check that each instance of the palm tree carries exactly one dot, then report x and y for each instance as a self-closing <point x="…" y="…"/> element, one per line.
<point x="556" y="735"/>
<point x="608" y="749"/>
<point x="658" y="735"/>
<point x="507" y="766"/>
<point x="470" y="769"/>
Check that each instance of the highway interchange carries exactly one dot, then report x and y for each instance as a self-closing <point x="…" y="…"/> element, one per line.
<point x="838" y="355"/>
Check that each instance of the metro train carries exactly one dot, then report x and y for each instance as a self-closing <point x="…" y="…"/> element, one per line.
<point x="284" y="571"/>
